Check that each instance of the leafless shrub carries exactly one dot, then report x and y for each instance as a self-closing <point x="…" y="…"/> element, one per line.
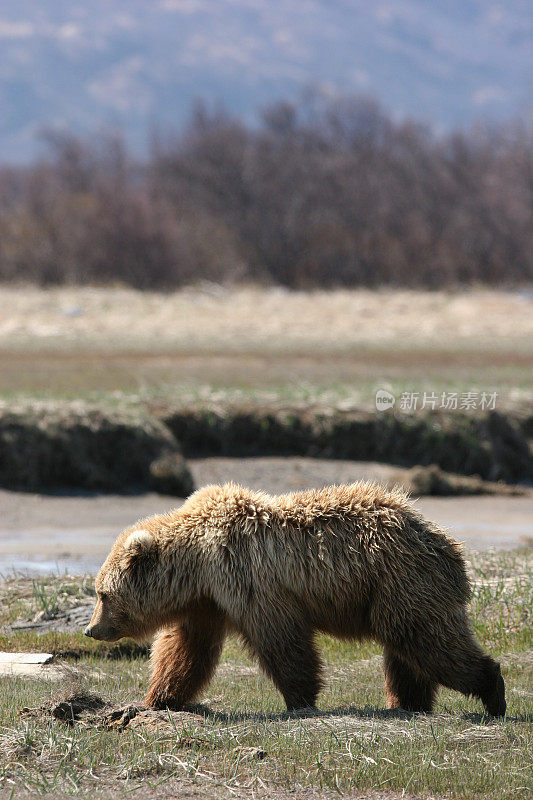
<point x="320" y="194"/>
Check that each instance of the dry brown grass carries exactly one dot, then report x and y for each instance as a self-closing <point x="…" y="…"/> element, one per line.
<point x="198" y="342"/>
<point x="265" y="320"/>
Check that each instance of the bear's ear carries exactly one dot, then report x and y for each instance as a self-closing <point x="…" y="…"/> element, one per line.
<point x="138" y="544"/>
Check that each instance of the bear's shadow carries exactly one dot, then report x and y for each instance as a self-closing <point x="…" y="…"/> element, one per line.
<point x="350" y="711"/>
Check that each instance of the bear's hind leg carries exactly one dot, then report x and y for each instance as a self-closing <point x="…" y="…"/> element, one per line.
<point x="184" y="657"/>
<point x="492" y="689"/>
<point x="479" y="676"/>
<point x="460" y="663"/>
<point x="452" y="657"/>
<point x="406" y="688"/>
<point x="287" y="654"/>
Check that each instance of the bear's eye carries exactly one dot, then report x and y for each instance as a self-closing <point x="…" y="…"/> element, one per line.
<point x="103" y="596"/>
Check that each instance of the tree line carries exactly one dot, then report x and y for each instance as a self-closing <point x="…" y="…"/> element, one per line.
<point x="317" y="194"/>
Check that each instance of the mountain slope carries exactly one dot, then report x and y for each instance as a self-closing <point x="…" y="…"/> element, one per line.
<point x="135" y="62"/>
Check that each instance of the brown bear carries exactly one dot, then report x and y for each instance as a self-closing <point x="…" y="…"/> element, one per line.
<point x="351" y="561"/>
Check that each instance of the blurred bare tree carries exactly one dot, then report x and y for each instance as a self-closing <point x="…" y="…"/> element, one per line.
<point x="319" y="194"/>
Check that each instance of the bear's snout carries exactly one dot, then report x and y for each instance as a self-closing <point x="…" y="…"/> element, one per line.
<point x="102" y="633"/>
<point x="103" y="625"/>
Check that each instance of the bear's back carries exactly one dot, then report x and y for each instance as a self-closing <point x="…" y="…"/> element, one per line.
<point x="219" y="500"/>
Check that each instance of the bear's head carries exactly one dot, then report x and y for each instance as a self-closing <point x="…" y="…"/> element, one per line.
<point x="128" y="590"/>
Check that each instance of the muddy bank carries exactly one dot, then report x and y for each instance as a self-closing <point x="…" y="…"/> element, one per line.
<point x="492" y="445"/>
<point x="46" y="446"/>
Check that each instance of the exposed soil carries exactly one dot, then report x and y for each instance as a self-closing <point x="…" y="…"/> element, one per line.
<point x="492" y="445"/>
<point x="92" y="710"/>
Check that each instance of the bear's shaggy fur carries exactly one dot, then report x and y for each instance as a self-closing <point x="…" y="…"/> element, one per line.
<point x="352" y="561"/>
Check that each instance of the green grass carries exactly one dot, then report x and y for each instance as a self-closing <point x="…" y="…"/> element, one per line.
<point x="352" y="744"/>
<point x="23" y="597"/>
<point x="513" y="387"/>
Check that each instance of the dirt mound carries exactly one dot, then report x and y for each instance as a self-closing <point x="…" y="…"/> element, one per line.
<point x="434" y="482"/>
<point x="92" y="710"/>
<point x="80" y="707"/>
<point x="71" y="445"/>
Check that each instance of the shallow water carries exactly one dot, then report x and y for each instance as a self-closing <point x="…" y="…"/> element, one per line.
<point x="82" y="551"/>
<point x="43" y="534"/>
<point x="40" y="565"/>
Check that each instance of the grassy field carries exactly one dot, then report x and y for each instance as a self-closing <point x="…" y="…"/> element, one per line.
<point x="216" y="345"/>
<point x="241" y="743"/>
<point x="267" y="344"/>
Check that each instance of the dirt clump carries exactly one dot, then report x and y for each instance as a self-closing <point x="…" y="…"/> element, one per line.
<point x="78" y="707"/>
<point x="434" y="482"/>
<point x="91" y="710"/>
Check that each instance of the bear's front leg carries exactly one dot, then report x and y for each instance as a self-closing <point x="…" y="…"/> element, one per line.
<point x="287" y="654"/>
<point x="184" y="657"/>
